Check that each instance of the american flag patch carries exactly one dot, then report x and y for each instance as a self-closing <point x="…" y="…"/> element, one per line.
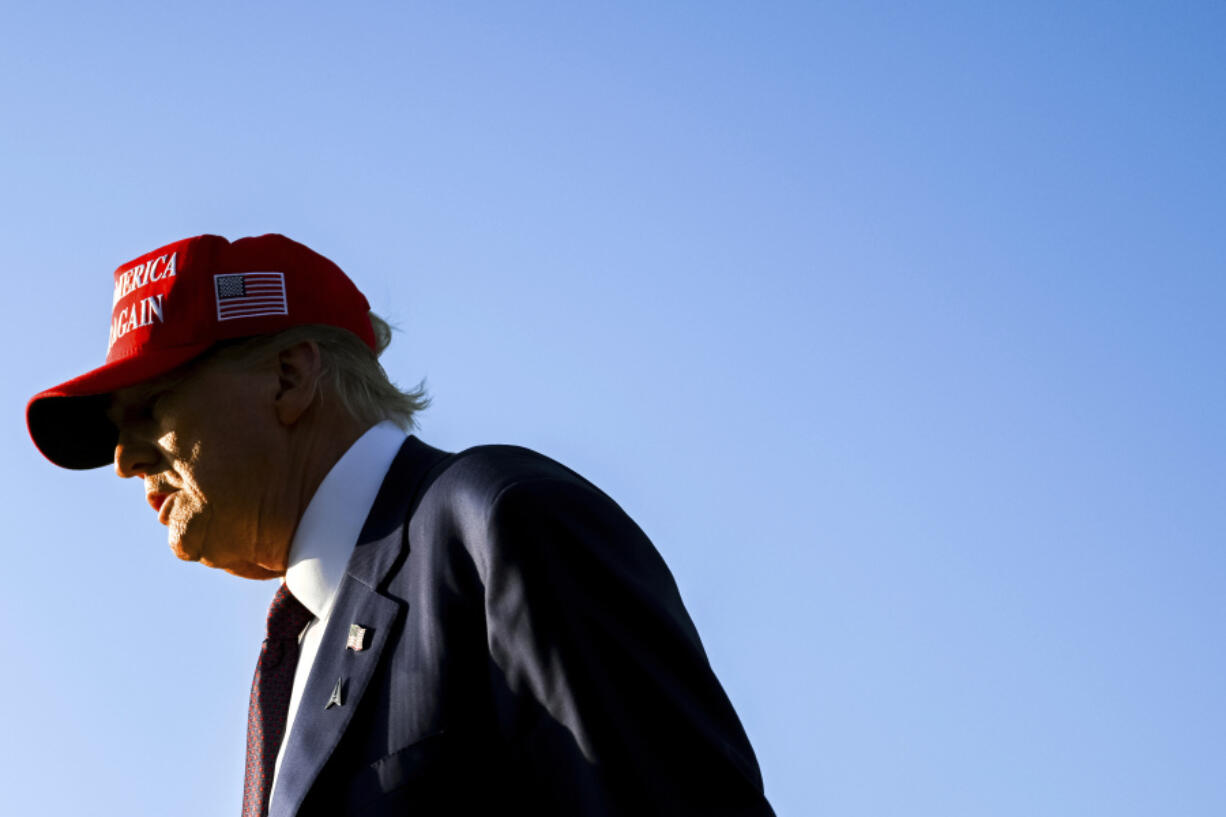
<point x="250" y="294"/>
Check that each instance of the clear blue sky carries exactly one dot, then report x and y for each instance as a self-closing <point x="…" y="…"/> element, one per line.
<point x="897" y="326"/>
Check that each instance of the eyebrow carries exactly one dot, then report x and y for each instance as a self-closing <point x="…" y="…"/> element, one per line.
<point x="143" y="396"/>
<point x="150" y="390"/>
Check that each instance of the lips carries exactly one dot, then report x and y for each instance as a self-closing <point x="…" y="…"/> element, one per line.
<point x="157" y="501"/>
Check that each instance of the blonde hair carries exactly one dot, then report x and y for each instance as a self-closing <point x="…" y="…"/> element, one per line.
<point x="349" y="370"/>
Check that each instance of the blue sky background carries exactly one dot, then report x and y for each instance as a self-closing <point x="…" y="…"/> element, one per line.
<point x="898" y="327"/>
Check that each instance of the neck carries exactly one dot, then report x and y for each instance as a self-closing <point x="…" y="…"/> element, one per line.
<point x="322" y="438"/>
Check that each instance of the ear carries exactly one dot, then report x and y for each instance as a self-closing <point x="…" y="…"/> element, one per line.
<point x="298" y="372"/>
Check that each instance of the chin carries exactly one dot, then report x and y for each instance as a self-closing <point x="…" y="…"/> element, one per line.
<point x="182" y="552"/>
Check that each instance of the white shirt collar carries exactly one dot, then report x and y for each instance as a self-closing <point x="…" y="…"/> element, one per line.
<point x="328" y="530"/>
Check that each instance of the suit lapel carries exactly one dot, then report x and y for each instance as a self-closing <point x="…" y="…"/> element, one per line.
<point x="317" y="729"/>
<point x="382" y="545"/>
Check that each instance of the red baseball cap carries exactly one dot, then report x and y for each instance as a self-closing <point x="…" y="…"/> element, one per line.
<point x="170" y="306"/>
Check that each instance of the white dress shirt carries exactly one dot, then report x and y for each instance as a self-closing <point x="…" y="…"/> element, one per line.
<point x="324" y="541"/>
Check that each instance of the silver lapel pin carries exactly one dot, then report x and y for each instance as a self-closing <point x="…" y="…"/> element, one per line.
<point x="337" y="698"/>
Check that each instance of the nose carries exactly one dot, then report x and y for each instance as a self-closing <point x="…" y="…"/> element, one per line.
<point x="135" y="457"/>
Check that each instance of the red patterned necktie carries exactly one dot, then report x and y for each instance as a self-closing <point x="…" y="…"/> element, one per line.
<point x="270" y="693"/>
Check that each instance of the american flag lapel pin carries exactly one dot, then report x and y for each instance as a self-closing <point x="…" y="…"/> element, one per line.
<point x="357" y="638"/>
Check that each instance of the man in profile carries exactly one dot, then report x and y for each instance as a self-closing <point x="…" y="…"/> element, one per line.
<point x="457" y="633"/>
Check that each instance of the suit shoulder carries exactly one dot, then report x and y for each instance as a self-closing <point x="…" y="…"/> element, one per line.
<point x="479" y="475"/>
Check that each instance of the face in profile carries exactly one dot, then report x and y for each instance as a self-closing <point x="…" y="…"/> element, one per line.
<point x="213" y="456"/>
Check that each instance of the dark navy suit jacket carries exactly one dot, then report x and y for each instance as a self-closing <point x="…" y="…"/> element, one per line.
<point x="526" y="651"/>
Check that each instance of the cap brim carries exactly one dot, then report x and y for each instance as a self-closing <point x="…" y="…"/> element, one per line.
<point x="68" y="422"/>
